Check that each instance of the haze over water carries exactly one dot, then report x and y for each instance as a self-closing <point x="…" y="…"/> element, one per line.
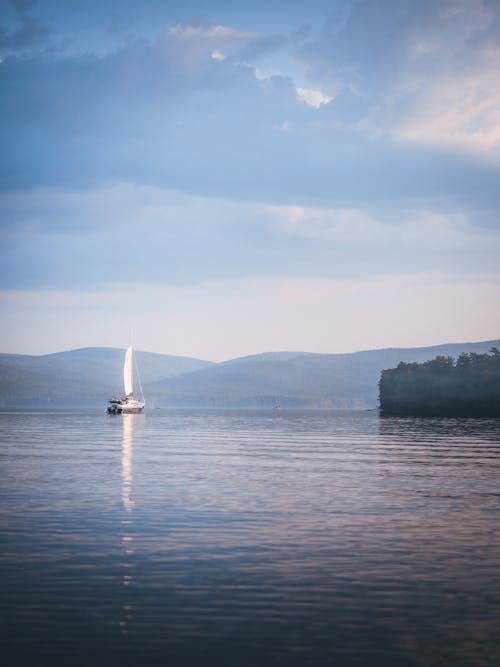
<point x="249" y="538"/>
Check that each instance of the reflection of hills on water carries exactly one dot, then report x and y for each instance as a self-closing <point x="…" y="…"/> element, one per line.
<point x="412" y="430"/>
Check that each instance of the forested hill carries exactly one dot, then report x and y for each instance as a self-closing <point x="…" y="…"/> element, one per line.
<point x="469" y="386"/>
<point x="88" y="377"/>
<point x="295" y="379"/>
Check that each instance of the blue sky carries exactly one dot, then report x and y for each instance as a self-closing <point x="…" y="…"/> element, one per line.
<point x="228" y="178"/>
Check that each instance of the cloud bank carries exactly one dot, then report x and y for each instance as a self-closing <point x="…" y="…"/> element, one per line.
<point x="350" y="142"/>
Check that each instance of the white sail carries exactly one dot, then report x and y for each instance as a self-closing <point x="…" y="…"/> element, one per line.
<point x="128" y="373"/>
<point x="129" y="404"/>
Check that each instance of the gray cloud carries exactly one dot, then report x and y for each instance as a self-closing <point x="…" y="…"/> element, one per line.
<point x="31" y="32"/>
<point x="154" y="113"/>
<point x="398" y="57"/>
<point x="131" y="234"/>
<point x="167" y="113"/>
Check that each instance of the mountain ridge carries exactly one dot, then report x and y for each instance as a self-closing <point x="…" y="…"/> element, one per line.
<point x="82" y="376"/>
<point x="89" y="376"/>
<point x="306" y="379"/>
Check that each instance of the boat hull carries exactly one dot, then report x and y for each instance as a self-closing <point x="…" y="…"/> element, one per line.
<point x="133" y="410"/>
<point x="116" y="407"/>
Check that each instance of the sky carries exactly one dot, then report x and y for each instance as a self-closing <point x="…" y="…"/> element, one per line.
<point x="216" y="179"/>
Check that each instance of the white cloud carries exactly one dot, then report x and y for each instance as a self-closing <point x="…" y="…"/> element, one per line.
<point x="188" y="32"/>
<point x="420" y="229"/>
<point x="189" y="48"/>
<point x="327" y="224"/>
<point x="463" y="111"/>
<point x="285" y="126"/>
<point x="265" y="76"/>
<point x="314" y="98"/>
<point x="434" y="82"/>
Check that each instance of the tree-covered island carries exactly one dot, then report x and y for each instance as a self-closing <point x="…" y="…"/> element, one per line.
<point x="467" y="387"/>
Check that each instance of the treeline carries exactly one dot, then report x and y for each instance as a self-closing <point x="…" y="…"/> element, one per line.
<point x="469" y="386"/>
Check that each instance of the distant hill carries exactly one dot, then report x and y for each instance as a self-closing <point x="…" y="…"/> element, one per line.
<point x="287" y="379"/>
<point x="295" y="379"/>
<point x="87" y="376"/>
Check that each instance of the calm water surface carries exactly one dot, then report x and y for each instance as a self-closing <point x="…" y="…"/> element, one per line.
<point x="249" y="538"/>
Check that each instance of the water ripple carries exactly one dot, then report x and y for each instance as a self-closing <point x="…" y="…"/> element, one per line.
<point x="236" y="538"/>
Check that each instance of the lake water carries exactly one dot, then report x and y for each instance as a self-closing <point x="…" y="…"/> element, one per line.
<point x="249" y="538"/>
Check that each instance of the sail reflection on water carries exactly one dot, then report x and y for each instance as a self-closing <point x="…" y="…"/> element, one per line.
<point x="127" y="451"/>
<point x="127" y="538"/>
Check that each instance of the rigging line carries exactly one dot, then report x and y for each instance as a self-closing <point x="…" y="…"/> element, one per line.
<point x="136" y="365"/>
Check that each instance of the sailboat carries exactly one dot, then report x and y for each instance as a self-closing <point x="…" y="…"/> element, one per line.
<point x="118" y="406"/>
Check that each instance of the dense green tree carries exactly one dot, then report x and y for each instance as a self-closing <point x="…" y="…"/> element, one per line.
<point x="468" y="387"/>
